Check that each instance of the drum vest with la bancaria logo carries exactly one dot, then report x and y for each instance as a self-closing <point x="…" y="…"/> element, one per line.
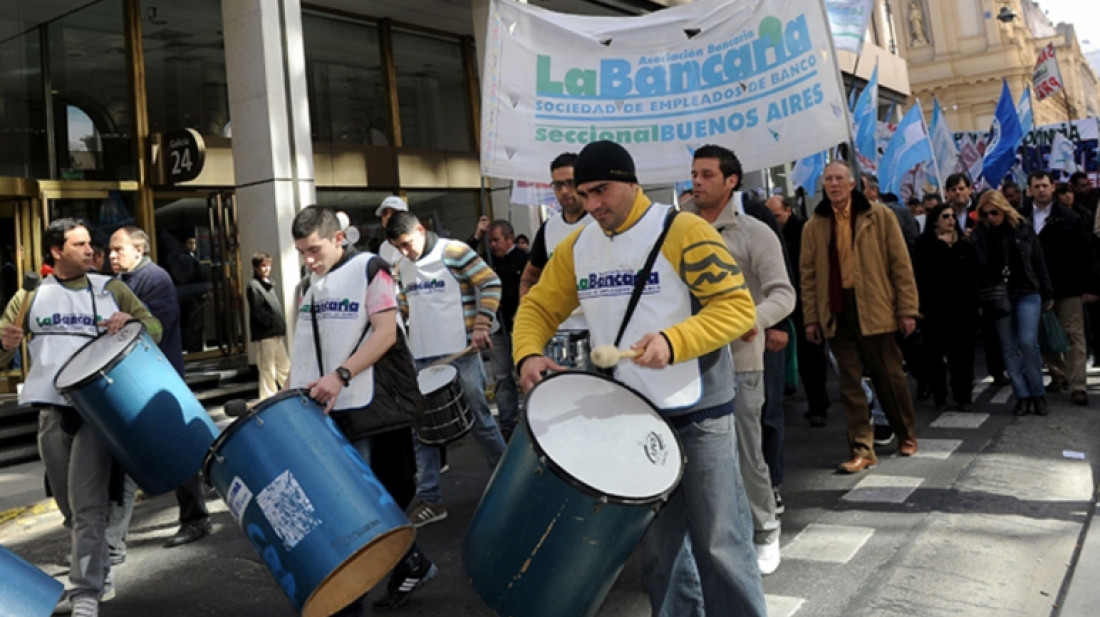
<point x="437" y="320"/>
<point x="61" y="321"/>
<point x="606" y="267"/>
<point x="555" y="230"/>
<point x="338" y="300"/>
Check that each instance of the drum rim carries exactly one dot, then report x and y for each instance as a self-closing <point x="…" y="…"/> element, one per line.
<point x="437" y="367"/>
<point x="107" y="367"/>
<point x="559" y="471"/>
<point x="219" y="441"/>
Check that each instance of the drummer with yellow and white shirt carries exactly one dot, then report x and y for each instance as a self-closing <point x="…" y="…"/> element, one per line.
<point x="694" y="303"/>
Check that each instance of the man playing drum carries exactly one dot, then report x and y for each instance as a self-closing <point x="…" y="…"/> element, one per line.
<point x="450" y="296"/>
<point x="695" y="302"/>
<point x="567" y="342"/>
<point x="65" y="312"/>
<point x="350" y="353"/>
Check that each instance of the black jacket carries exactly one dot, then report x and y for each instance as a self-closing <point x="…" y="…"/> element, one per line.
<point x="947" y="278"/>
<point x="265" y="312"/>
<point x="1067" y="250"/>
<point x="1021" y="248"/>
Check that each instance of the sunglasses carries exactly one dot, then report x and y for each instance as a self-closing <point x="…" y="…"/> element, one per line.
<point x="562" y="184"/>
<point x="989" y="213"/>
<point x="948" y="215"/>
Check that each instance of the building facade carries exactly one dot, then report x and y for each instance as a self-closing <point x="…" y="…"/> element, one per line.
<point x="959" y="51"/>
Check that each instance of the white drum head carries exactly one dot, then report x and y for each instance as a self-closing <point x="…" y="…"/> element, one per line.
<point x="97" y="354"/>
<point x="433" y="378"/>
<point x="605" y="436"/>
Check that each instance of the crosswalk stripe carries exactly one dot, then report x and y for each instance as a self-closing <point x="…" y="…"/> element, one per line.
<point x="959" y="419"/>
<point x="937" y="448"/>
<point x="880" y="488"/>
<point x="783" y="606"/>
<point x="828" y="543"/>
<point x="1001" y="397"/>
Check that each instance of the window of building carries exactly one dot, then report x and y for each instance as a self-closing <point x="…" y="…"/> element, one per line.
<point x="432" y="94"/>
<point x="89" y="84"/>
<point x="185" y="67"/>
<point x="88" y="71"/>
<point x="23" y="150"/>
<point x="347" y="98"/>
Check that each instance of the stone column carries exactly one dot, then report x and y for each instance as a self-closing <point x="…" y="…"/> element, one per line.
<point x="272" y="149"/>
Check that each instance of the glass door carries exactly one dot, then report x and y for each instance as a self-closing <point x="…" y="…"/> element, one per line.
<point x="20" y="218"/>
<point x="228" y="304"/>
<point x="196" y="241"/>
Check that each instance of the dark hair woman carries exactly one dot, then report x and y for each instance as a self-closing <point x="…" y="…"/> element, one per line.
<point x="947" y="279"/>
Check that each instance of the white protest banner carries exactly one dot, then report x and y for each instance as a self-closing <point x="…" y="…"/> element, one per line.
<point x="848" y="22"/>
<point x="758" y="77"/>
<point x="1047" y="77"/>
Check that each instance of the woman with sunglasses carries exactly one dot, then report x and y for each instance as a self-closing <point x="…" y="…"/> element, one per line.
<point x="1009" y="256"/>
<point x="947" y="280"/>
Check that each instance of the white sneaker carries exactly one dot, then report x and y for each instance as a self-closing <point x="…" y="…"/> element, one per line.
<point x="767" y="557"/>
<point x="85" y="605"/>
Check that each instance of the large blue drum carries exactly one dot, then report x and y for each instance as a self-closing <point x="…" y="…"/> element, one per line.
<point x="309" y="504"/>
<point x="139" y="406"/>
<point x="571" y="498"/>
<point x="25" y="591"/>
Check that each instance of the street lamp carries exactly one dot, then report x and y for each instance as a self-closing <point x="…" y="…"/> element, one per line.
<point x="1006" y="15"/>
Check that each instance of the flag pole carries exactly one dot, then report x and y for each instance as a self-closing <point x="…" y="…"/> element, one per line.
<point x="847" y="113"/>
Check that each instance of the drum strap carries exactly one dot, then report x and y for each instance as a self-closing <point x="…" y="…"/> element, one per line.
<point x="643" y="275"/>
<point x="317" y="337"/>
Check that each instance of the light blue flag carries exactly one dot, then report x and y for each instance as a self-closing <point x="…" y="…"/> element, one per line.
<point x="1005" y="136"/>
<point x="806" y="172"/>
<point x="908" y="148"/>
<point x="865" y="119"/>
<point x="1023" y="111"/>
<point x="943" y="142"/>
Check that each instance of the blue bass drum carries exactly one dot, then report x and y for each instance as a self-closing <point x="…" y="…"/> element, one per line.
<point x="25" y="590"/>
<point x="570" y="499"/>
<point x="140" y="407"/>
<point x="309" y="504"/>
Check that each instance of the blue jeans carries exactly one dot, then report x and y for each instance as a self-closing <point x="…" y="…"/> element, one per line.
<point x="699" y="550"/>
<point x="504" y="391"/>
<point x="485" y="430"/>
<point x="1019" y="336"/>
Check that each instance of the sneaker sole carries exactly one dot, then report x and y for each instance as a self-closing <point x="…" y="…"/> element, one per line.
<point x="434" y="519"/>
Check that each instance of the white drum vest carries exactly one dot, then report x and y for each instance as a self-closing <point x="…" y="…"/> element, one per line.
<point x="61" y="321"/>
<point x="605" y="269"/>
<point x="555" y="230"/>
<point x="437" y="325"/>
<point x="342" y="319"/>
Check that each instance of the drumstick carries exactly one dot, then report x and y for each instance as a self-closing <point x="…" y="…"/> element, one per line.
<point x="454" y="356"/>
<point x="30" y="283"/>
<point x="607" y="356"/>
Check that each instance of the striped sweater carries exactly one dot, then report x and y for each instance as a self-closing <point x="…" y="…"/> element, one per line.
<point x="479" y="284"/>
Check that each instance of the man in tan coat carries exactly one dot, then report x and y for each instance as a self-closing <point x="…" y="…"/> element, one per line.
<point x="858" y="291"/>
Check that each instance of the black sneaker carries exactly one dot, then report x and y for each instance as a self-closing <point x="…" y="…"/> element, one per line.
<point x="883" y="434"/>
<point x="401" y="588"/>
<point x="780" y="507"/>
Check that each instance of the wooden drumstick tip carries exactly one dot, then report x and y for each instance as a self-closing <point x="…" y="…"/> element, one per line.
<point x="30" y="283"/>
<point x="607" y="356"/>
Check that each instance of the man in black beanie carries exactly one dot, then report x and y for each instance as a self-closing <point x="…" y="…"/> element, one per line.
<point x="694" y="302"/>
